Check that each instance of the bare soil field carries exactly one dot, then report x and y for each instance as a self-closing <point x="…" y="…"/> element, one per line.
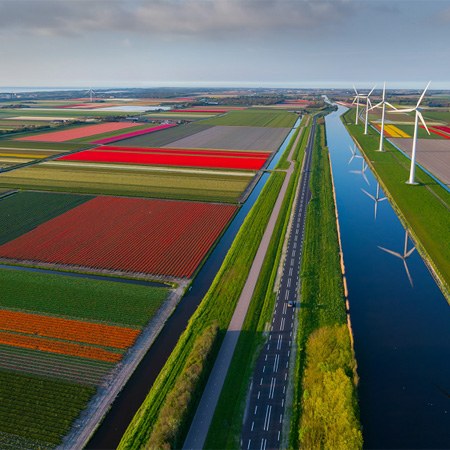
<point x="163" y="137"/>
<point x="234" y="138"/>
<point x="433" y="154"/>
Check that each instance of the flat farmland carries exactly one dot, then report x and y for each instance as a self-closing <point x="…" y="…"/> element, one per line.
<point x="433" y="154"/>
<point x="60" y="147"/>
<point x="54" y="354"/>
<point x="255" y="118"/>
<point x="135" y="181"/>
<point x="157" y="237"/>
<point x="173" y="157"/>
<point x="73" y="133"/>
<point x="164" y="137"/>
<point x="234" y="138"/>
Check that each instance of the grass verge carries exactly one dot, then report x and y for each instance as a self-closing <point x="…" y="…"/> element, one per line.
<point x="322" y="308"/>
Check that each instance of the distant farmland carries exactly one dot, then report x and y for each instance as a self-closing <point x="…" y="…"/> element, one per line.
<point x="254" y="118"/>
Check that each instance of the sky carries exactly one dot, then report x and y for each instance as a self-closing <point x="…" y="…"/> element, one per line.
<point x="257" y="43"/>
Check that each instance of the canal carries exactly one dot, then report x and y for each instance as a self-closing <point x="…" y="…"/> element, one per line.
<point x="400" y="318"/>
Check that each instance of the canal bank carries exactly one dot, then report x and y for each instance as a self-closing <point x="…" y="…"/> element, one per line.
<point x="401" y="328"/>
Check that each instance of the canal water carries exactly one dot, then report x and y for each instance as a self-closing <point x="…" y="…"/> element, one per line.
<point x="133" y="394"/>
<point x="400" y="318"/>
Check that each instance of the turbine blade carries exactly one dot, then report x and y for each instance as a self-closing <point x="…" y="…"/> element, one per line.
<point x="390" y="106"/>
<point x="382" y="199"/>
<point x="354" y="101"/>
<point x="422" y="120"/>
<point x="369" y="103"/>
<point x="369" y="195"/>
<point x="356" y="92"/>
<point x="365" y="178"/>
<point x="378" y="105"/>
<point x="371" y="91"/>
<point x="410" y="252"/>
<point x="407" y="273"/>
<point x="401" y="111"/>
<point x="423" y="94"/>
<point x="375" y="210"/>
<point x="391" y="252"/>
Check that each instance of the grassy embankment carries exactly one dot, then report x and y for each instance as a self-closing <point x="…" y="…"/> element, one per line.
<point x="424" y="208"/>
<point x="325" y="410"/>
<point x="227" y="421"/>
<point x="217" y="307"/>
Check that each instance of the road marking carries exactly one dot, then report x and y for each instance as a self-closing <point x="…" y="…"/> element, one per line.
<point x="284" y="390"/>
<point x="275" y="363"/>
<point x="278" y="435"/>
<point x="253" y="425"/>
<point x="289" y="282"/>
<point x="264" y="369"/>
<point x="287" y="294"/>
<point x="272" y="388"/>
<point x="293" y="253"/>
<point x="260" y="383"/>
<point x="290" y="272"/>
<point x="295" y="245"/>
<point x="282" y="403"/>
<point x="284" y="308"/>
<point x="292" y="261"/>
<point x="267" y="419"/>
<point x="265" y="359"/>
<point x="289" y="352"/>
<point x="259" y="393"/>
<point x="287" y="364"/>
<point x="282" y="324"/>
<point x="280" y="340"/>
<point x="256" y="409"/>
<point x="249" y="441"/>
<point x="281" y="418"/>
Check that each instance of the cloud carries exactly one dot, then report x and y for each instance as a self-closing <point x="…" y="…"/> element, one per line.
<point x="172" y="17"/>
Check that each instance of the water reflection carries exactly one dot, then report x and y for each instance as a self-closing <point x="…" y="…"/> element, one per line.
<point x="354" y="154"/>
<point x="362" y="172"/>
<point x="406" y="254"/>
<point x="376" y="198"/>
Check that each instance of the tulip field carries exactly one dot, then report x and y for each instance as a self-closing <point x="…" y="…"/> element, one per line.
<point x="173" y="157"/>
<point x="158" y="237"/>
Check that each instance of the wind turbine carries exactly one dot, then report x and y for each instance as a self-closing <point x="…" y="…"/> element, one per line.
<point x="383" y="104"/>
<point x="359" y="96"/>
<point x="91" y="94"/>
<point x="368" y="102"/>
<point x="406" y="254"/>
<point x="377" y="199"/>
<point x="362" y="172"/>
<point x="418" y="116"/>
<point x="354" y="154"/>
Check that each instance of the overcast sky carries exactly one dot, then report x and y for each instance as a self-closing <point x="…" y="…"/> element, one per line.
<point x="314" y="43"/>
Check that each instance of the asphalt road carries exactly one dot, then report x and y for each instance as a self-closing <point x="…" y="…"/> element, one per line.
<point x="263" y="421"/>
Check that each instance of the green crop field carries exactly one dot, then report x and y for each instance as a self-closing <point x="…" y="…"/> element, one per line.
<point x="254" y="118"/>
<point x="38" y="409"/>
<point x="433" y="114"/>
<point x="425" y="207"/>
<point x="122" y="180"/>
<point x="21" y="212"/>
<point x="60" y="147"/>
<point x="82" y="298"/>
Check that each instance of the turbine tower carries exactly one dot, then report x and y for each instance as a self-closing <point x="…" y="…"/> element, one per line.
<point x="418" y="115"/>
<point x="383" y="104"/>
<point x="368" y="102"/>
<point x="91" y="94"/>
<point x="406" y="254"/>
<point x="356" y="99"/>
<point x="376" y="198"/>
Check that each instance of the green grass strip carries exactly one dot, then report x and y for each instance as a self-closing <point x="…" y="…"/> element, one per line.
<point x="217" y="306"/>
<point x="322" y="293"/>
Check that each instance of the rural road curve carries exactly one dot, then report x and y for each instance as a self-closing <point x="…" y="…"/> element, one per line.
<point x="263" y="423"/>
<point x="202" y="420"/>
